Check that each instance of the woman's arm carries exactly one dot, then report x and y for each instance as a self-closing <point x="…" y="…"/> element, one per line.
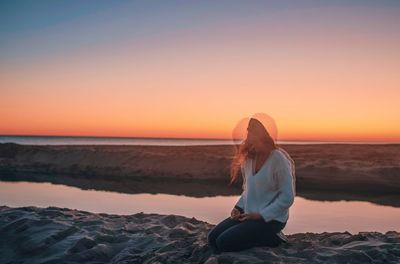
<point x="239" y="204"/>
<point x="286" y="193"/>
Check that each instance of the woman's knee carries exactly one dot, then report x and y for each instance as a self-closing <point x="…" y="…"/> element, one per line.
<point x="242" y="237"/>
<point x="222" y="243"/>
<point x="212" y="236"/>
<point x="218" y="229"/>
<point x="209" y="235"/>
<point x="225" y="242"/>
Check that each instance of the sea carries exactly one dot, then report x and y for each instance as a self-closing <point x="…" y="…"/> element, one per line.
<point x="89" y="140"/>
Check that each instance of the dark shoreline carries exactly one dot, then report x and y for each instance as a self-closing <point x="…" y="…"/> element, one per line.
<point x="323" y="171"/>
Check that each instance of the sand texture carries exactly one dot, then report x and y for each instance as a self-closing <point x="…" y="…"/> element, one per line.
<point x="56" y="235"/>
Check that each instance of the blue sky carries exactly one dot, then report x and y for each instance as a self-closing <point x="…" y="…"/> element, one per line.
<point x="62" y="61"/>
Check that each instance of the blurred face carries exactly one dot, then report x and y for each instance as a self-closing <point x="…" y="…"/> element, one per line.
<point x="253" y="136"/>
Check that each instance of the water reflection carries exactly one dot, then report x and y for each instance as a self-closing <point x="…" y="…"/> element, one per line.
<point x="305" y="215"/>
<point x="197" y="188"/>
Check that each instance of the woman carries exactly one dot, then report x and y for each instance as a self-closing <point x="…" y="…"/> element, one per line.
<point x="268" y="191"/>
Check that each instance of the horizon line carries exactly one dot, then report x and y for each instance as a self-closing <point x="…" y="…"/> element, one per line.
<point x="185" y="138"/>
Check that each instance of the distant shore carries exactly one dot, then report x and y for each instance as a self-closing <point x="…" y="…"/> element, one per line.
<point x="331" y="167"/>
<point x="59" y="235"/>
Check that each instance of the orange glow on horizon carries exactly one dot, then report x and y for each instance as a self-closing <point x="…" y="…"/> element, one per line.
<point x="394" y="138"/>
<point x="319" y="80"/>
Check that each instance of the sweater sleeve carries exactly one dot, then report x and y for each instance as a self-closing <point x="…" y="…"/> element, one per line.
<point x="240" y="203"/>
<point x="286" y="192"/>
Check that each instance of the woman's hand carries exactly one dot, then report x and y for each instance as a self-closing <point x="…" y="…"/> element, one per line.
<point x="235" y="214"/>
<point x="249" y="216"/>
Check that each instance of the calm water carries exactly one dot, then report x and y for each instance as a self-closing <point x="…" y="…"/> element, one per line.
<point x="305" y="215"/>
<point x="55" y="140"/>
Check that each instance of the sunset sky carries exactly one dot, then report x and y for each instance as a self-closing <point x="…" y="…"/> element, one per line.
<point x="324" y="70"/>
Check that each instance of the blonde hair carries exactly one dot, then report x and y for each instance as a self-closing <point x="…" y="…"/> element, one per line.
<point x="243" y="151"/>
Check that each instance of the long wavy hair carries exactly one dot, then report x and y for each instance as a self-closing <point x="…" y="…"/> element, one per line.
<point x="244" y="150"/>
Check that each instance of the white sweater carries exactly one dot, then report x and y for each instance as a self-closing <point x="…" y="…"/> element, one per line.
<point x="259" y="194"/>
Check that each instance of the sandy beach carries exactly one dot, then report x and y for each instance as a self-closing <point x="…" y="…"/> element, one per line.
<point x="60" y="235"/>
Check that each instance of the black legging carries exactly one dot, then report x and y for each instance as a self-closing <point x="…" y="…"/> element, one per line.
<point x="235" y="235"/>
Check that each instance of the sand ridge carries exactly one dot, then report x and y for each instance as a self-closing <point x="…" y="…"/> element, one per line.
<point x="323" y="167"/>
<point x="61" y="235"/>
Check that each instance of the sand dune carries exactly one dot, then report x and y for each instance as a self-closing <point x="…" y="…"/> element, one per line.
<point x="56" y="235"/>
<point x="335" y="167"/>
<point x="324" y="172"/>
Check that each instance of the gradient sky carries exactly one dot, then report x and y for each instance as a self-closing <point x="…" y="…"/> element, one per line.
<point x="325" y="70"/>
